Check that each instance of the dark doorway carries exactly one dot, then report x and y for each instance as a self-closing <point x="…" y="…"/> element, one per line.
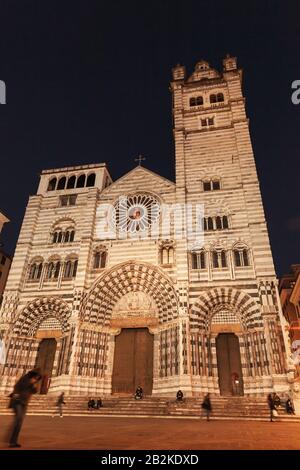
<point x="45" y="361"/>
<point x="133" y="361"/>
<point x="229" y="364"/>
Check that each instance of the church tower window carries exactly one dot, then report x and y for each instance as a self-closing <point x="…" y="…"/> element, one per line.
<point x="100" y="257"/>
<point x="198" y="260"/>
<point x="167" y="254"/>
<point x="52" y="184"/>
<point x="219" y="259"/>
<point x="241" y="257"/>
<point x="211" y="185"/>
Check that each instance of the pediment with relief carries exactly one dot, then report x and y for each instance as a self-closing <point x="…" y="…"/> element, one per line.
<point x="135" y="304"/>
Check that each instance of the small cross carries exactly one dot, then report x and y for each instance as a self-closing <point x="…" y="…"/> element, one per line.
<point x="140" y="159"/>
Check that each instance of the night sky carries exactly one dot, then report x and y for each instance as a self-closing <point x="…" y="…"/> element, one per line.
<point x="87" y="81"/>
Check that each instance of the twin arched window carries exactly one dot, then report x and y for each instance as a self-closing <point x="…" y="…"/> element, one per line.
<point x="53" y="269"/>
<point x="72" y="182"/>
<point x="241" y="257"/>
<point x="199" y="260"/>
<point x="218" y="98"/>
<point x="167" y="255"/>
<point x="211" y="185"/>
<point x="100" y="258"/>
<point x="196" y="101"/>
<point x="219" y="259"/>
<point x="70" y="269"/>
<point x="35" y="271"/>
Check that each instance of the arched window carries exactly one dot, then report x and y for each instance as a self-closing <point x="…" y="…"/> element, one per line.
<point x="223" y="259"/>
<point x="68" y="266"/>
<point x="218" y="223"/>
<point x="57" y="236"/>
<point x="70" y="269"/>
<point x="246" y="258"/>
<point x="210" y="224"/>
<point x="80" y="181"/>
<point x="35" y="271"/>
<point x="71" y="182"/>
<point x="219" y="259"/>
<point x="167" y="255"/>
<point x="241" y="257"/>
<point x="32" y="271"/>
<point x="220" y="97"/>
<point x="91" y="180"/>
<point x="215" y="185"/>
<point x="225" y="222"/>
<point x="205" y="225"/>
<point x="67" y="236"/>
<point x="211" y="185"/>
<point x="53" y="270"/>
<point x="206" y="186"/>
<point x="72" y="235"/>
<point x="199" y="100"/>
<point x="52" y="184"/>
<point x="215" y="259"/>
<point x="213" y="99"/>
<point x="198" y="260"/>
<point x="100" y="259"/>
<point x="56" y="270"/>
<point x="50" y="271"/>
<point x="237" y="258"/>
<point x="62" y="183"/>
<point x="192" y="101"/>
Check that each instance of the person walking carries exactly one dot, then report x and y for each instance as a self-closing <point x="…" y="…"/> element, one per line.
<point x="24" y="388"/>
<point x="60" y="404"/>
<point x="272" y="406"/>
<point x="206" y="406"/>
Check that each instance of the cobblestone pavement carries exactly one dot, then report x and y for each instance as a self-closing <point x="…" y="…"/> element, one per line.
<point x="150" y="433"/>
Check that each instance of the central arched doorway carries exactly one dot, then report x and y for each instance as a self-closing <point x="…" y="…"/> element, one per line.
<point x="45" y="361"/>
<point x="229" y="364"/>
<point x="133" y="361"/>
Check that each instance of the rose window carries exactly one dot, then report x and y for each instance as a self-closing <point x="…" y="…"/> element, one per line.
<point x="136" y="213"/>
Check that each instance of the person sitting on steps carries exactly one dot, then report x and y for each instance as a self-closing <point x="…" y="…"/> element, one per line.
<point x="91" y="404"/>
<point x="179" y="396"/>
<point x="99" y="403"/>
<point x="138" y="393"/>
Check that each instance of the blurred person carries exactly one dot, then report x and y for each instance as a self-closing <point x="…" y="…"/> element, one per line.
<point x="24" y="388"/>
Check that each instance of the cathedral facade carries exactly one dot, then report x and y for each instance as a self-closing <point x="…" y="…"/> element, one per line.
<point x="143" y="281"/>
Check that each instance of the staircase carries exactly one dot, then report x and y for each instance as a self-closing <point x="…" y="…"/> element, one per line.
<point x="234" y="408"/>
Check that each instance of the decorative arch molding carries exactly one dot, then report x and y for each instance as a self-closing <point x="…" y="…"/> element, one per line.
<point x="62" y="219"/>
<point x="38" y="310"/>
<point x="207" y="304"/>
<point x="131" y="276"/>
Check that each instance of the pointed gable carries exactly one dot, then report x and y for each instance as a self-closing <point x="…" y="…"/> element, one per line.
<point x="136" y="180"/>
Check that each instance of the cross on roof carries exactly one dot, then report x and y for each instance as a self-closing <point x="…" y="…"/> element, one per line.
<point x="140" y="159"/>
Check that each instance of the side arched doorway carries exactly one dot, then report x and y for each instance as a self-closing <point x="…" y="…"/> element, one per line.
<point x="133" y="361"/>
<point x="229" y="364"/>
<point x="45" y="362"/>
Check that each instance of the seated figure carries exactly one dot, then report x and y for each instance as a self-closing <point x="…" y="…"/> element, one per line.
<point x="99" y="403"/>
<point x="289" y="407"/>
<point x="179" y="395"/>
<point x="138" y="393"/>
<point x="91" y="404"/>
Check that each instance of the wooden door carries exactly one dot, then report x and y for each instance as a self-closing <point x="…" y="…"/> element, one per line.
<point x="45" y="361"/>
<point x="133" y="361"/>
<point x="229" y="364"/>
